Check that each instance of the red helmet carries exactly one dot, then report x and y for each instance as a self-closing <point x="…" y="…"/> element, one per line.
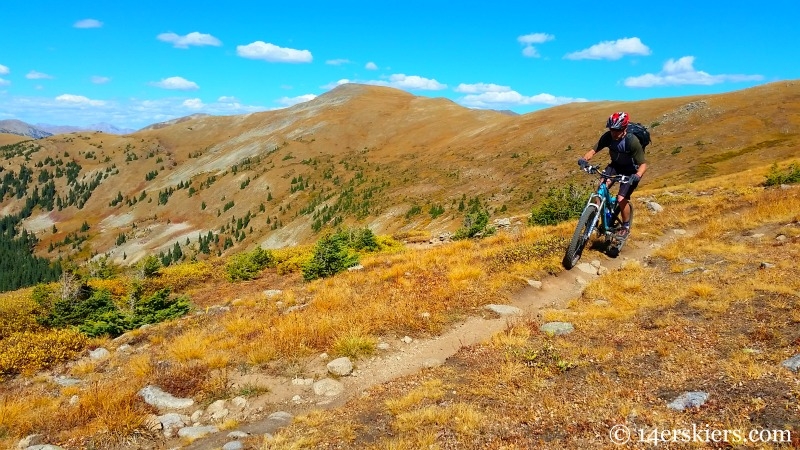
<point x="617" y="121"/>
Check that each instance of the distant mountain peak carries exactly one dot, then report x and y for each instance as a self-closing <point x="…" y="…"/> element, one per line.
<point x="21" y="128"/>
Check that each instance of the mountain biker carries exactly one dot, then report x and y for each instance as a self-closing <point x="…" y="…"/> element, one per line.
<point x="627" y="158"/>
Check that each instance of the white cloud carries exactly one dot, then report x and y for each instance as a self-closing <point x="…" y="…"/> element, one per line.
<point x="193" y="103"/>
<point x="34" y="75"/>
<point x="337" y="62"/>
<point x="499" y="97"/>
<point x="4" y="82"/>
<point x="612" y="50"/>
<point x="682" y="72"/>
<point x="4" y="70"/>
<point x="371" y="66"/>
<point x="177" y="83"/>
<point x="88" y="23"/>
<point x="289" y="101"/>
<point x="534" y="38"/>
<point x="227" y="99"/>
<point x="273" y="53"/>
<point x="480" y="88"/>
<point x="403" y="81"/>
<point x="399" y="81"/>
<point x="79" y="100"/>
<point x="193" y="38"/>
<point x="100" y="80"/>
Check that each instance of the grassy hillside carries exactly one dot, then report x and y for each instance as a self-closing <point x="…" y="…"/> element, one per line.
<point x="713" y="311"/>
<point x="361" y="156"/>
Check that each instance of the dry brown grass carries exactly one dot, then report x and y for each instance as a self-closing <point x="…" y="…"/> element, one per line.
<point x="659" y="330"/>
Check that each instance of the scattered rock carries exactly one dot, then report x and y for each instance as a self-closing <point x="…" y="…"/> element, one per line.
<point x="233" y="445"/>
<point x="587" y="268"/>
<point x="679" y="231"/>
<point x="384" y="346"/>
<point x="31" y="440"/>
<point x="282" y="418"/>
<point x="66" y="381"/>
<point x="688" y="400"/>
<point x="355" y="268"/>
<point x="557" y="328"/>
<point x="197" y="432"/>
<point x="340" y="366"/>
<point x="535" y="284"/>
<point x="407" y="339"/>
<point x="217" y="410"/>
<point x="302" y="381"/>
<point x="125" y="348"/>
<point x="766" y="265"/>
<point x="328" y="387"/>
<point x="237" y="435"/>
<point x="504" y="310"/>
<point x="99" y="353"/>
<point x="654" y="207"/>
<point x="45" y="447"/>
<point x="781" y="238"/>
<point x="154" y="396"/>
<point x="793" y="363"/>
<point x="502" y="223"/>
<point x="271" y="293"/>
<point x="170" y="423"/>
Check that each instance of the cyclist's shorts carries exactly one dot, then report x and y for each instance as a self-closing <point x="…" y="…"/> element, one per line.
<point x="625" y="189"/>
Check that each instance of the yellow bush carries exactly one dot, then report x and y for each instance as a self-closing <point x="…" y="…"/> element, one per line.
<point x="17" y="313"/>
<point x="181" y="276"/>
<point x="26" y="352"/>
<point x="291" y="259"/>
<point x="117" y="286"/>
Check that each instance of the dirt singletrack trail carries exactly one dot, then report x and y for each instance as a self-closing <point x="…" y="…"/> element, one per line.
<point x="408" y="358"/>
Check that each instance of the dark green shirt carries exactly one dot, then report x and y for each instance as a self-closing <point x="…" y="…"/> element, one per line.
<point x="626" y="153"/>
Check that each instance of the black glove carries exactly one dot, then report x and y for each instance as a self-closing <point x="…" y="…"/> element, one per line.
<point x="583" y="163"/>
<point x="634" y="180"/>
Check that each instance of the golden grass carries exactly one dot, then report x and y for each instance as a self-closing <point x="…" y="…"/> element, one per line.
<point x="645" y="313"/>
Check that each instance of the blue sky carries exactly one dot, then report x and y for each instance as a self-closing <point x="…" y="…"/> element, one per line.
<point x="132" y="64"/>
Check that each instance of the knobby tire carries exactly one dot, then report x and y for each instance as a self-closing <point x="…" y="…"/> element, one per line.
<point x="579" y="238"/>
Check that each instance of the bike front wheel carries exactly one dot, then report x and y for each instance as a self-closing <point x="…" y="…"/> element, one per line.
<point x="580" y="237"/>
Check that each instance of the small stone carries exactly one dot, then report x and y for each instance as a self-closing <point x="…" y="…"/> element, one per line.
<point x="384" y="346"/>
<point x="407" y="339"/>
<point x="340" y="366"/>
<point x="233" y="445"/>
<point x="282" y="417"/>
<point x="557" y="328"/>
<point x="688" y="400"/>
<point x="535" y="284"/>
<point x="328" y="387"/>
<point x="271" y="293"/>
<point x="355" y="268"/>
<point x="196" y="432"/>
<point x="237" y="435"/>
<point x="587" y="268"/>
<point x="99" y="353"/>
<point x="504" y="310"/>
<point x="781" y="238"/>
<point x="679" y="231"/>
<point x="793" y="363"/>
<point x="766" y="265"/>
<point x="31" y="440"/>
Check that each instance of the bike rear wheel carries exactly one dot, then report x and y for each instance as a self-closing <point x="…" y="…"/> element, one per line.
<point x="580" y="237"/>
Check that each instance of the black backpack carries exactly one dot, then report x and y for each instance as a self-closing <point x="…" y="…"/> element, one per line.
<point x="641" y="132"/>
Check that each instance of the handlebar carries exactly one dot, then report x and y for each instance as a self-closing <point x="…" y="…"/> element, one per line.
<point x="591" y="170"/>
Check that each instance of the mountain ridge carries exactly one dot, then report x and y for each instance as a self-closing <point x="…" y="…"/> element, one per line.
<point x="370" y="156"/>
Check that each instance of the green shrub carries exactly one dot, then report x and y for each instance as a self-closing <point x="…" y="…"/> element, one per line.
<point x="475" y="225"/>
<point x="331" y="256"/>
<point x="560" y="205"/>
<point x="359" y="239"/>
<point x="247" y="266"/>
<point x="158" y="308"/>
<point x="788" y="175"/>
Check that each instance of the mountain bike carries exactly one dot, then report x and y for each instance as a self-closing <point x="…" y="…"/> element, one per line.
<point x="600" y="214"/>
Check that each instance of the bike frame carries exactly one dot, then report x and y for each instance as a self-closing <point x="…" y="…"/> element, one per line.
<point x="603" y="201"/>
